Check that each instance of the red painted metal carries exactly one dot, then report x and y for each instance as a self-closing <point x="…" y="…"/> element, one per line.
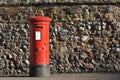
<point x="39" y="40"/>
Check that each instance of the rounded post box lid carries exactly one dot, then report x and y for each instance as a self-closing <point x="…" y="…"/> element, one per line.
<point x="39" y="19"/>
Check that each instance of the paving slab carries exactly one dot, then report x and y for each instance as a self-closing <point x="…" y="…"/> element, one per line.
<point x="80" y="76"/>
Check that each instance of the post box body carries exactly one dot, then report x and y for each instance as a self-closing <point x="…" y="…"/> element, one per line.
<point x="39" y="45"/>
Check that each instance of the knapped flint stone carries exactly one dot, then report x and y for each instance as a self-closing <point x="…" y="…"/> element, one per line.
<point x="84" y="37"/>
<point x="18" y="71"/>
<point x="24" y="48"/>
<point x="64" y="32"/>
<point x="1" y="38"/>
<point x="63" y="49"/>
<point x="9" y="56"/>
<point x="118" y="49"/>
<point x="116" y="67"/>
<point x="27" y="62"/>
<point x="6" y="71"/>
<point x="84" y="55"/>
<point x="102" y="56"/>
<point x="89" y="66"/>
<point x="93" y="62"/>
<point x="13" y="71"/>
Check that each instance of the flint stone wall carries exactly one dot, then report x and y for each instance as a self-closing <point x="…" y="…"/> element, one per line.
<point x="26" y="2"/>
<point x="83" y="38"/>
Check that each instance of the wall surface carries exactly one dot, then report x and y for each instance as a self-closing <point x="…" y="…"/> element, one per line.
<point x="83" y="38"/>
<point x="16" y="2"/>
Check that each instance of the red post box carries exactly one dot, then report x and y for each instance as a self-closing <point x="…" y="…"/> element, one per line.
<point x="39" y="46"/>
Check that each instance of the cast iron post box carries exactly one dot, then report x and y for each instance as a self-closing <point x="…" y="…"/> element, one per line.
<point x="39" y="46"/>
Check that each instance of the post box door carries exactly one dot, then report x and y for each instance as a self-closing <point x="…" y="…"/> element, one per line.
<point x="41" y="50"/>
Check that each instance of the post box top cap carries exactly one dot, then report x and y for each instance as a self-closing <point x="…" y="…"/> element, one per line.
<point x="39" y="19"/>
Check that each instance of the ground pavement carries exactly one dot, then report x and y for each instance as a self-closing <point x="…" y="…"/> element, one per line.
<point x="80" y="76"/>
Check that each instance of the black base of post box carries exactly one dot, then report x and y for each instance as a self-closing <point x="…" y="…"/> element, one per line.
<point x="1" y="72"/>
<point x="39" y="70"/>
